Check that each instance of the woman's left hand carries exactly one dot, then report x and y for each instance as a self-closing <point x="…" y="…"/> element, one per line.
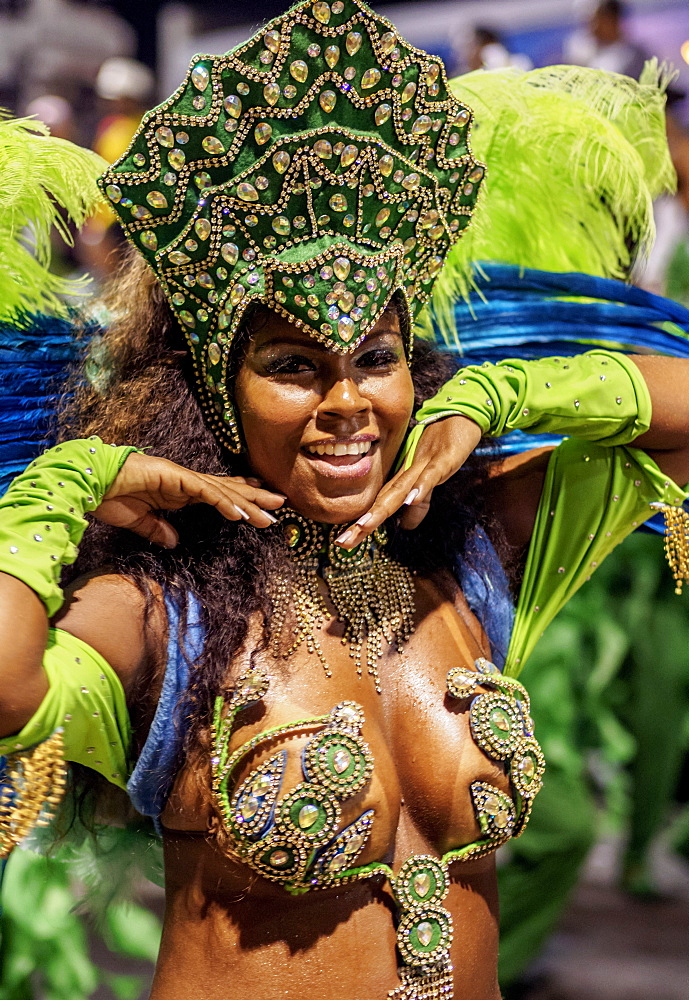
<point x="442" y="450"/>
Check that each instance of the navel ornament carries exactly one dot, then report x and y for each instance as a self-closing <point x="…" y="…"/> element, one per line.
<point x="293" y="838"/>
<point x="373" y="596"/>
<point x="30" y="790"/>
<point x="249" y="129"/>
<point x="424" y="931"/>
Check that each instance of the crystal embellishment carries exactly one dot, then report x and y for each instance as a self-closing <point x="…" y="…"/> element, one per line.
<point x="321" y="11"/>
<point x="233" y="106"/>
<point x="178" y="258"/>
<point x="370" y="78"/>
<point x="353" y="42"/>
<point x="424" y="932"/>
<point x="165" y="136"/>
<point x="271" y="93"/>
<point x="281" y="161"/>
<point x="200" y="77"/>
<point x="308" y="815"/>
<point x="332" y="55"/>
<point x="247" y="192"/>
<point x="328" y="100"/>
<point x="341" y="760"/>
<point x="299" y="70"/>
<point x="422" y="884"/>
<point x="213" y="145"/>
<point x="263" y="132"/>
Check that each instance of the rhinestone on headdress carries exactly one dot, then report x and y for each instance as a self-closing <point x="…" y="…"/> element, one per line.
<point x="324" y="137"/>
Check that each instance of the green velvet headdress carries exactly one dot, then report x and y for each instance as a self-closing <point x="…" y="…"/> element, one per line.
<point x="318" y="168"/>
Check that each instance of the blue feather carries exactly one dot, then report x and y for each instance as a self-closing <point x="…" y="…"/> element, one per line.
<point x="35" y="357"/>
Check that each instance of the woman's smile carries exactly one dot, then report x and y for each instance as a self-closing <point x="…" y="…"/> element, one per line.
<point x="342" y="458"/>
<point x="321" y="427"/>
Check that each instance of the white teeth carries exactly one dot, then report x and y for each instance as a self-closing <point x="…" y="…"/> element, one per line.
<point x="354" y="448"/>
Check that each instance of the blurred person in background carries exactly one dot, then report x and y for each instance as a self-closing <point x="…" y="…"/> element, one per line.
<point x="667" y="270"/>
<point x="485" y="48"/>
<point x="125" y="88"/>
<point x="57" y="113"/>
<point x="604" y="43"/>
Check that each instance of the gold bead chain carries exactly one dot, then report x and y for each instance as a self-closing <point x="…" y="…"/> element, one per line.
<point x="372" y="595"/>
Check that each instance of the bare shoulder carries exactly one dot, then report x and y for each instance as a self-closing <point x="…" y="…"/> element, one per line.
<point x="514" y="492"/>
<point x="109" y="612"/>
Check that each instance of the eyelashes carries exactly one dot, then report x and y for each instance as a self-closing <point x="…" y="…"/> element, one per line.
<point x="298" y="364"/>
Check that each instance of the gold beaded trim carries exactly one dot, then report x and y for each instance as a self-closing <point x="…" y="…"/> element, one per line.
<point x="676" y="542"/>
<point x="33" y="786"/>
<point x="502" y="727"/>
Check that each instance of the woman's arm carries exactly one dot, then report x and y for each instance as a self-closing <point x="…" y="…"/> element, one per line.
<point x="518" y="479"/>
<point x="596" y="396"/>
<point x="41" y="521"/>
<point x="667" y="439"/>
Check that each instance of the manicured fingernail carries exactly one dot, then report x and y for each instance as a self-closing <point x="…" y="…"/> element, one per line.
<point x="344" y="537"/>
<point x="364" y="519"/>
<point x="273" y="520"/>
<point x="242" y="513"/>
<point x="411" y="497"/>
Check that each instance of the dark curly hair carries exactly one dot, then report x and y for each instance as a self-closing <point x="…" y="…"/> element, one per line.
<point x="134" y="387"/>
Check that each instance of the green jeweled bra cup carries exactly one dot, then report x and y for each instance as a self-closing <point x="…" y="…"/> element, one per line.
<point x="502" y="727"/>
<point x="294" y="838"/>
<point x="317" y="168"/>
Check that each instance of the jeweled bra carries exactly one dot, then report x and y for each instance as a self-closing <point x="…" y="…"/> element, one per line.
<point x="295" y="838"/>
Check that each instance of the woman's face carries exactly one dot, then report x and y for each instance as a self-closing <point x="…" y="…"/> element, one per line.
<point x="320" y="427"/>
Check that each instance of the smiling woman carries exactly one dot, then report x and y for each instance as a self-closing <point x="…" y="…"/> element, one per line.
<point x="315" y="705"/>
<point x="324" y="428"/>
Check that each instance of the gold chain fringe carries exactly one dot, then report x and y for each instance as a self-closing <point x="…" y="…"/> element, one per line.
<point x="676" y="542"/>
<point x="33" y="787"/>
<point x="373" y="598"/>
<point x="415" y="985"/>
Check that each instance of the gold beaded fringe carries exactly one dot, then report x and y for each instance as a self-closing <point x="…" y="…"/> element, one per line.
<point x="416" y="985"/>
<point x="676" y="542"/>
<point x="33" y="787"/>
<point x="373" y="598"/>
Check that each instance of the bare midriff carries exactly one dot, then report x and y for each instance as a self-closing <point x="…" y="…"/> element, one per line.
<point x="230" y="934"/>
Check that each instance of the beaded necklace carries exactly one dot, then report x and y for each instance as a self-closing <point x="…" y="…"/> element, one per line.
<point x="373" y="596"/>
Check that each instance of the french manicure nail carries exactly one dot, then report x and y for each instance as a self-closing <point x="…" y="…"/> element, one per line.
<point x="242" y="513"/>
<point x="344" y="538"/>
<point x="364" y="519"/>
<point x="273" y="520"/>
<point x="411" y="497"/>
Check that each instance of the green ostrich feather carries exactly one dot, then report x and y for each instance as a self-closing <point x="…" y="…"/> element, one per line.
<point x="574" y="160"/>
<point x="45" y="183"/>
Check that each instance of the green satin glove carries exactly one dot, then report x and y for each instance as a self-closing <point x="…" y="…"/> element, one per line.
<point x="42" y="514"/>
<point x="598" y="396"/>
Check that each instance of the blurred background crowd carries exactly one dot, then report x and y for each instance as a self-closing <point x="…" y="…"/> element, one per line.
<point x="610" y="680"/>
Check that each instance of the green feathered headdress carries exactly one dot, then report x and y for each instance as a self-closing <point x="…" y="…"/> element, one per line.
<point x="319" y="168"/>
<point x="44" y="182"/>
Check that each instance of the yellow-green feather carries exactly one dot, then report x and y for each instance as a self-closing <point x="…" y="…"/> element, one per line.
<point x="574" y="160"/>
<point x="44" y="181"/>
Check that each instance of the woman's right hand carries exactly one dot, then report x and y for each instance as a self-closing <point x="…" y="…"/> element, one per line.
<point x="146" y="484"/>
